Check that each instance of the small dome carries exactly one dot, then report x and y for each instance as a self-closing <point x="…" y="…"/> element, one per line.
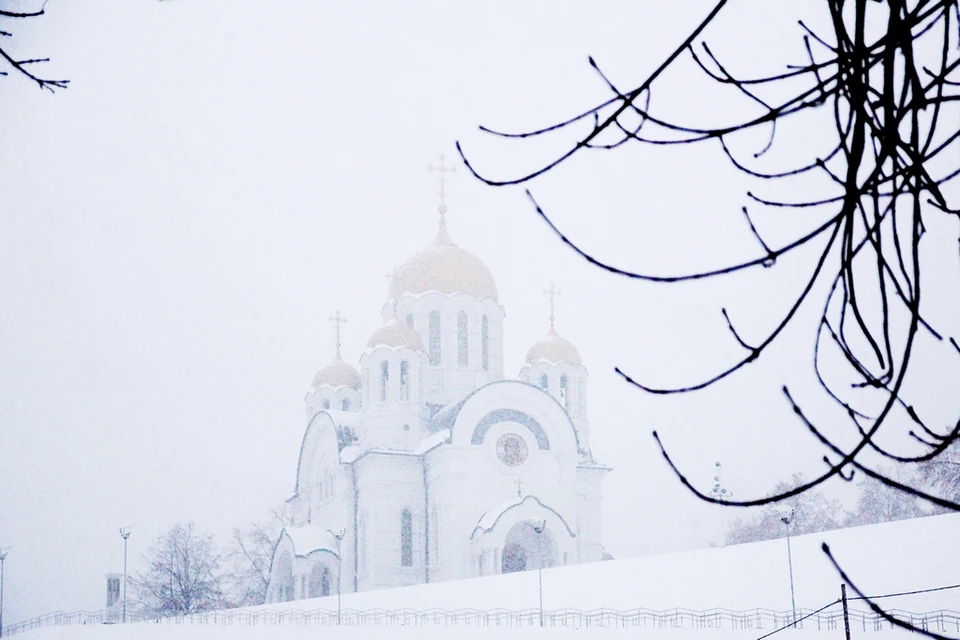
<point x="553" y="349"/>
<point x="337" y="374"/>
<point x="444" y="267"/>
<point x="395" y="335"/>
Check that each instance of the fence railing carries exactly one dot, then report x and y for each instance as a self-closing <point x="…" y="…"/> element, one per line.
<point x="829" y="619"/>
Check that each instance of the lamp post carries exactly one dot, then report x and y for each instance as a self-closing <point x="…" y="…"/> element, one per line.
<point x="721" y="494"/>
<point x="338" y="537"/>
<point x="3" y="556"/>
<point x="124" y="533"/>
<point x="539" y="531"/>
<point x="787" y="521"/>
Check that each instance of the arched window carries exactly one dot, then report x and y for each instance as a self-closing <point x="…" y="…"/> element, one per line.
<point x="406" y="539"/>
<point x="319" y="581"/>
<point x="346" y="404"/>
<point x="564" y="392"/>
<point x="404" y="380"/>
<point x="326" y="404"/>
<point x="485" y="343"/>
<point x="544" y="384"/>
<point x="462" y="344"/>
<point x="410" y="320"/>
<point x="434" y="345"/>
<point x="384" y="379"/>
<point x="325" y="582"/>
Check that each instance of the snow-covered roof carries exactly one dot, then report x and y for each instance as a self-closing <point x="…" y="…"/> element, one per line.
<point x="350" y="454"/>
<point x="432" y="441"/>
<point x="310" y="538"/>
<point x="489" y="520"/>
<point x="490" y="517"/>
<point x="353" y="453"/>
<point x="444" y="418"/>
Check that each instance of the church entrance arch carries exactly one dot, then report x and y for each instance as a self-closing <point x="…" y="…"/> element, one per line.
<point x="524" y="548"/>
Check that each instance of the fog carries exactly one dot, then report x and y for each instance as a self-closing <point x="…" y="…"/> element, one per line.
<point x="220" y="178"/>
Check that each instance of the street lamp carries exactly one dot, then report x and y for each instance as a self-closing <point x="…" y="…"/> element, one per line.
<point x="338" y="537"/>
<point x="787" y="521"/>
<point x="3" y="556"/>
<point x="720" y="493"/>
<point x="539" y="531"/>
<point x="124" y="533"/>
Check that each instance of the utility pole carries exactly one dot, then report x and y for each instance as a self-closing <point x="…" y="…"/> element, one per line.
<point x="846" y="614"/>
<point x="787" y="520"/>
<point x="539" y="531"/>
<point x="124" y="533"/>
<point x="338" y="537"/>
<point x="3" y="556"/>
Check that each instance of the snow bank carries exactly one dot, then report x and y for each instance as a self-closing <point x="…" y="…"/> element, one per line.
<point x="885" y="558"/>
<point x="888" y="558"/>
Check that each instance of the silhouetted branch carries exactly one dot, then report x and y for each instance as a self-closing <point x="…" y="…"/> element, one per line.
<point x="893" y="100"/>
<point x="20" y="66"/>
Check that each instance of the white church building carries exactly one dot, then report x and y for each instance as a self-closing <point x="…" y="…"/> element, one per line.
<point x="426" y="464"/>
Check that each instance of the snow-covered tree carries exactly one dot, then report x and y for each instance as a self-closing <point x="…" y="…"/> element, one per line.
<point x="250" y="552"/>
<point x="879" y="502"/>
<point x="943" y="473"/>
<point x="811" y="511"/>
<point x="182" y="573"/>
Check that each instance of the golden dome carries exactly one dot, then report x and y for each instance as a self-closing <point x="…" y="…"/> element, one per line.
<point x="337" y="374"/>
<point x="395" y="335"/>
<point x="444" y="267"/>
<point x="553" y="349"/>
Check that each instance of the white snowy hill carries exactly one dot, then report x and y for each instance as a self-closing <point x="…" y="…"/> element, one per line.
<point x="882" y="559"/>
<point x="886" y="558"/>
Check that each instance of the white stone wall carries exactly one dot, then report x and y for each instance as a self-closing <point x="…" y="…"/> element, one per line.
<point x="387" y="484"/>
<point x="397" y="420"/>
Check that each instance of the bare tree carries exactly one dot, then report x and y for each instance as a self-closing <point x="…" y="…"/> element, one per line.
<point x="942" y="473"/>
<point x="879" y="502"/>
<point x="10" y="14"/>
<point x="812" y="512"/>
<point x="182" y="574"/>
<point x="250" y="553"/>
<point x="878" y="80"/>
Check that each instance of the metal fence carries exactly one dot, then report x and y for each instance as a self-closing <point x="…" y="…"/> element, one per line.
<point x="829" y="619"/>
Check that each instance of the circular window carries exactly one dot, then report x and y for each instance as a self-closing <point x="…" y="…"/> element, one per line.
<point x="512" y="450"/>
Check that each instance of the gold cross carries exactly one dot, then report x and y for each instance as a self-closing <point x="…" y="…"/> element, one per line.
<point x="553" y="293"/>
<point x="443" y="170"/>
<point x="337" y="320"/>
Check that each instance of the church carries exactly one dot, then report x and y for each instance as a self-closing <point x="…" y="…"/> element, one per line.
<point x="426" y="464"/>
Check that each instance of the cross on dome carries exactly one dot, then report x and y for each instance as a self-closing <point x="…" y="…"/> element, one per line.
<point x="553" y="292"/>
<point x="519" y="487"/>
<point x="337" y="320"/>
<point x="443" y="170"/>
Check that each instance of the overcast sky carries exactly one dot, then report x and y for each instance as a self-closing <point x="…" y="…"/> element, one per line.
<point x="177" y="227"/>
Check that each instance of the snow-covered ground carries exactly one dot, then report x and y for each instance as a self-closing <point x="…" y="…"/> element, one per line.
<point x="889" y="558"/>
<point x="171" y="632"/>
